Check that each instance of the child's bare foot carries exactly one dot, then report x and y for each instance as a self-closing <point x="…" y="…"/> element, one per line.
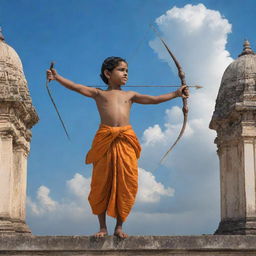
<point x="102" y="233"/>
<point x="119" y="233"/>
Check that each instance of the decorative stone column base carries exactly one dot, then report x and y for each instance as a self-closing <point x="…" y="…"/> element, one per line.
<point x="6" y="226"/>
<point x="21" y="226"/>
<point x="237" y="227"/>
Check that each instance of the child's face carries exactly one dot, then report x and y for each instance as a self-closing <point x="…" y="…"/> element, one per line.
<point x="119" y="75"/>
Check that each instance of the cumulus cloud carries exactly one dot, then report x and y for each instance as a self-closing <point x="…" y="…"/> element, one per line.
<point x="44" y="202"/>
<point x="152" y="134"/>
<point x="150" y="191"/>
<point x="79" y="185"/>
<point x="198" y="36"/>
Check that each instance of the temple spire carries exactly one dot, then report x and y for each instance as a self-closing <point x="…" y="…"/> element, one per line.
<point x="1" y="34"/>
<point x="247" y="49"/>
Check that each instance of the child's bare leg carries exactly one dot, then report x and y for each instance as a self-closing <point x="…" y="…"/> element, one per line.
<point x="118" y="229"/>
<point x="103" y="227"/>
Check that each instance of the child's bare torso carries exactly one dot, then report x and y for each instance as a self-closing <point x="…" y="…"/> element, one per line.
<point x="114" y="107"/>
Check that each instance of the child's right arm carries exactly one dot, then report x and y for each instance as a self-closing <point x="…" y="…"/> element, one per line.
<point x="85" y="90"/>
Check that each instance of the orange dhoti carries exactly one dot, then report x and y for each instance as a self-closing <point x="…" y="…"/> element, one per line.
<point x="114" y="184"/>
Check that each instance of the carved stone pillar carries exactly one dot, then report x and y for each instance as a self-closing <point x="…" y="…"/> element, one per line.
<point x="17" y="117"/>
<point x="20" y="154"/>
<point x="6" y="181"/>
<point x="234" y="119"/>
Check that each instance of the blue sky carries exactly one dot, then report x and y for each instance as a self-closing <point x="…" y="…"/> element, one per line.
<point x="78" y="35"/>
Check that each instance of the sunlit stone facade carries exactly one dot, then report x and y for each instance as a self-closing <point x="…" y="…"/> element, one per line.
<point x="234" y="119"/>
<point x="17" y="116"/>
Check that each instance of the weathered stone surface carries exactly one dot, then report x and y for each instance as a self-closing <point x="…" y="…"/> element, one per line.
<point x="234" y="120"/>
<point x="244" y="226"/>
<point x="134" y="245"/>
<point x="13" y="84"/>
<point x="17" y="117"/>
<point x="237" y="90"/>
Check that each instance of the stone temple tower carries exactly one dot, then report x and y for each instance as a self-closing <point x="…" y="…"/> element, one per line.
<point x="234" y="119"/>
<point x="17" y="116"/>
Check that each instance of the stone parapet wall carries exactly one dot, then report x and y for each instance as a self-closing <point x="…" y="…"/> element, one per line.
<point x="211" y="245"/>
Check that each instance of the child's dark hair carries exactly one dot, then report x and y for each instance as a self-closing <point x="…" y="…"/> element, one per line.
<point x="109" y="64"/>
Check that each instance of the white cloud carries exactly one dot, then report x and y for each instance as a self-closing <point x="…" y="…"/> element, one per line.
<point x="150" y="191"/>
<point x="198" y="37"/>
<point x="173" y="115"/>
<point x="44" y="202"/>
<point x="152" y="134"/>
<point x="79" y="185"/>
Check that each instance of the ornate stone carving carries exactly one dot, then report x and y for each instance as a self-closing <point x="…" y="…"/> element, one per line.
<point x="234" y="120"/>
<point x="13" y="85"/>
<point x="17" y="117"/>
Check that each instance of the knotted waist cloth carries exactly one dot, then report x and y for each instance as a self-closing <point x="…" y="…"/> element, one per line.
<point x="114" y="155"/>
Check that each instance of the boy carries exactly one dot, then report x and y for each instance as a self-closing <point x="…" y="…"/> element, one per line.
<point x="115" y="148"/>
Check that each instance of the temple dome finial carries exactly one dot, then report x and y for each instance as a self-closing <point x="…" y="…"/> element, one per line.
<point x="247" y="48"/>
<point x="1" y="34"/>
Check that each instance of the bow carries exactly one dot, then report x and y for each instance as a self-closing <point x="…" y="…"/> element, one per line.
<point x="185" y="104"/>
<point x="50" y="95"/>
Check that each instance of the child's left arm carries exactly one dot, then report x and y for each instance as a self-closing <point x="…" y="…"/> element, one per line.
<point x="148" y="99"/>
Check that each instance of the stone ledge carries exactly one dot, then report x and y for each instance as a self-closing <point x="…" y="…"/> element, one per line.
<point x="134" y="245"/>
